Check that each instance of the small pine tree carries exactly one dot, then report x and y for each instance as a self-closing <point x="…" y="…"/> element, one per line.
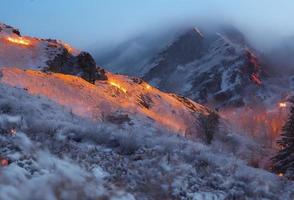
<point x="209" y="124"/>
<point x="283" y="162"/>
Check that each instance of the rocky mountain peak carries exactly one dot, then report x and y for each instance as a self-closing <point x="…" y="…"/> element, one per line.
<point x="186" y="47"/>
<point x="211" y="67"/>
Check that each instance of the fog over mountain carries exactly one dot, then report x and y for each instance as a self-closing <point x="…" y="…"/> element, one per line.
<point x="134" y="52"/>
<point x="146" y="26"/>
<point x="263" y="29"/>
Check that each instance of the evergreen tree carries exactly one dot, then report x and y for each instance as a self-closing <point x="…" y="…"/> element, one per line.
<point x="283" y="162"/>
<point x="209" y="124"/>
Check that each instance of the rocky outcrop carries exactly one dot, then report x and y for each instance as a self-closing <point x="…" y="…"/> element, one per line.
<point x="90" y="71"/>
<point x="82" y="65"/>
<point x="185" y="49"/>
<point x="212" y="68"/>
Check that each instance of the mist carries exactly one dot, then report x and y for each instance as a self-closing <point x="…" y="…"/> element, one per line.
<point x="265" y="24"/>
<point x="145" y="27"/>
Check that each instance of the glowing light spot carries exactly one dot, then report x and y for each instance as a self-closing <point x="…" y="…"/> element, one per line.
<point x="281" y="174"/>
<point x="19" y="41"/>
<point x="4" y="162"/>
<point x="68" y="47"/>
<point x="118" y="86"/>
<point x="13" y="131"/>
<point x="148" y="87"/>
<point x="282" y="104"/>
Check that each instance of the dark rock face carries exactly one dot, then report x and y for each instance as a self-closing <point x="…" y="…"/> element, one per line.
<point x="145" y="101"/>
<point x="211" y="68"/>
<point x="60" y="60"/>
<point x="82" y="65"/>
<point x="90" y="71"/>
<point x="185" y="49"/>
<point x="17" y="32"/>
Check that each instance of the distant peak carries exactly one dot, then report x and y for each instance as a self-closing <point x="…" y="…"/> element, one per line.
<point x="198" y="32"/>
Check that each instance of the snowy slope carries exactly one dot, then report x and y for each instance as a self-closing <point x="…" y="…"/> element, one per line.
<point x="45" y="54"/>
<point x="119" y="99"/>
<point x="27" y="52"/>
<point x="49" y="153"/>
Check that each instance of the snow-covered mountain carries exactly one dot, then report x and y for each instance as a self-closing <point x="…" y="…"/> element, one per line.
<point x="29" y="62"/>
<point x="70" y="130"/>
<point x="220" y="69"/>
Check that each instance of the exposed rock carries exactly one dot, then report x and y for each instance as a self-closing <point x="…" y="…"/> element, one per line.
<point x="90" y="71"/>
<point x="82" y="65"/>
<point x="145" y="101"/>
<point x="137" y="80"/>
<point x="187" y="102"/>
<point x="185" y="49"/>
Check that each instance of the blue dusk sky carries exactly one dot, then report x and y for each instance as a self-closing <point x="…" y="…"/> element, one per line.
<point x="86" y="23"/>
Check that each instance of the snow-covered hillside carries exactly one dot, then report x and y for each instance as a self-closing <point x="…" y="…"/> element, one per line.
<point x="49" y="153"/>
<point x="85" y="133"/>
<point x="28" y="52"/>
<point x="47" y="55"/>
<point x="120" y="99"/>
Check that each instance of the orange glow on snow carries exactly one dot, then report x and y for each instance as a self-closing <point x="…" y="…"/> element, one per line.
<point x="258" y="122"/>
<point x="148" y="87"/>
<point x="19" y="40"/>
<point x="95" y="101"/>
<point x="68" y="47"/>
<point x="118" y="86"/>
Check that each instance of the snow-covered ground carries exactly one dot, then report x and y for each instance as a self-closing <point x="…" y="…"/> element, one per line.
<point x="121" y="100"/>
<point x="28" y="52"/>
<point x="54" y="154"/>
